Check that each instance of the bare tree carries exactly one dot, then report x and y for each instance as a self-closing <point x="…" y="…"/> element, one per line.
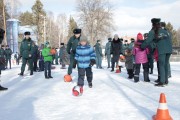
<point x="63" y="27"/>
<point x="13" y="8"/>
<point x="95" y="18"/>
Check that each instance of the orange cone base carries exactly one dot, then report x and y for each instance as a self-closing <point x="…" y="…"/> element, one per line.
<point x="162" y="115"/>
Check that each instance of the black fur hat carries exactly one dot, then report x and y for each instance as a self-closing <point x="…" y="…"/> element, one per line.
<point x="121" y="39"/>
<point x="163" y="24"/>
<point x="155" y="20"/>
<point x="145" y="34"/>
<point x="77" y="31"/>
<point x="27" y="33"/>
<point x="132" y="40"/>
<point x="109" y="39"/>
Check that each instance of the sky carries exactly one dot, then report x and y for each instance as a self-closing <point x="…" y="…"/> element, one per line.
<point x="130" y="16"/>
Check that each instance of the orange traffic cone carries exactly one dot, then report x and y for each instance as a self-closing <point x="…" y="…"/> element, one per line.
<point x="117" y="69"/>
<point x="162" y="111"/>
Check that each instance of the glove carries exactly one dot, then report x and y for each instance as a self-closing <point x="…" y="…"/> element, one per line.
<point x="92" y="62"/>
<point x="75" y="63"/>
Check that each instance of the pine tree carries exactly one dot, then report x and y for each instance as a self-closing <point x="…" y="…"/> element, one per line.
<point x="173" y="33"/>
<point x="72" y="26"/>
<point x="26" y="18"/>
<point x="39" y="15"/>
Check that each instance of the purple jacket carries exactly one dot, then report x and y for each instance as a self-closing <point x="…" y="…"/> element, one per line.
<point x="140" y="55"/>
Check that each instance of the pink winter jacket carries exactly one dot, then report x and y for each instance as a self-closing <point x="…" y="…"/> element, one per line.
<point x="140" y="55"/>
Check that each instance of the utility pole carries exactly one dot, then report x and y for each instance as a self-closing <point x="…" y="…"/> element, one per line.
<point x="4" y="19"/>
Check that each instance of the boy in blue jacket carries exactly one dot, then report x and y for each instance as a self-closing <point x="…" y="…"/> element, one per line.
<point x="85" y="59"/>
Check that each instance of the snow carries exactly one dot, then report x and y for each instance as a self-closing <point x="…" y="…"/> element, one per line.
<point x="113" y="96"/>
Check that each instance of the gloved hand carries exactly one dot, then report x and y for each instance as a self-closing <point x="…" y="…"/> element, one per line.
<point x="75" y="63"/>
<point x="92" y="62"/>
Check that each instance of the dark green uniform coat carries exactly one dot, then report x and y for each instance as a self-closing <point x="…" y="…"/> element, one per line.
<point x="164" y="46"/>
<point x="26" y="51"/>
<point x="8" y="53"/>
<point x="71" y="49"/>
<point x="108" y="53"/>
<point x="99" y="55"/>
<point x="2" y="59"/>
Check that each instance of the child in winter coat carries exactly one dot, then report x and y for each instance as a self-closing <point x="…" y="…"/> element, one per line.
<point x="85" y="58"/>
<point x="47" y="59"/>
<point x="140" y="58"/>
<point x="129" y="62"/>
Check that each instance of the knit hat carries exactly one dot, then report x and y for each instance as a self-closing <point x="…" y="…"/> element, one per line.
<point x="62" y="43"/>
<point x="47" y="43"/>
<point x="83" y="38"/>
<point x="27" y="33"/>
<point x="139" y="36"/>
<point x="77" y="31"/>
<point x="116" y="35"/>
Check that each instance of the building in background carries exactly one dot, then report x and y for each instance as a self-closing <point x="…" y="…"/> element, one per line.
<point x="12" y="34"/>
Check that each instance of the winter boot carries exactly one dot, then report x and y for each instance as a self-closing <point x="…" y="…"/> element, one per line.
<point x="158" y="80"/>
<point x="131" y="75"/>
<point x="31" y="73"/>
<point x="146" y="77"/>
<point x="50" y="77"/>
<point x="160" y="84"/>
<point x="21" y="74"/>
<point x="3" y="88"/>
<point x="45" y="74"/>
<point x="136" y="78"/>
<point x="90" y="85"/>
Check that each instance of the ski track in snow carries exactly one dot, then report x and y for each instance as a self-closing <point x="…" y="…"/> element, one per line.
<point x="113" y="96"/>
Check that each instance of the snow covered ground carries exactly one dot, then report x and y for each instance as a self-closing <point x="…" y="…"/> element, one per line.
<point x="113" y="96"/>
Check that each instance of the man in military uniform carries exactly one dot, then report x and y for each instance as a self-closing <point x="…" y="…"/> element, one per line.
<point x="164" y="45"/>
<point x="99" y="55"/>
<point x="108" y="51"/>
<point x="163" y="25"/>
<point x="2" y="63"/>
<point x="71" y="48"/>
<point x="131" y="45"/>
<point x="35" y="56"/>
<point x="26" y="52"/>
<point x="150" y="55"/>
<point x="8" y="53"/>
